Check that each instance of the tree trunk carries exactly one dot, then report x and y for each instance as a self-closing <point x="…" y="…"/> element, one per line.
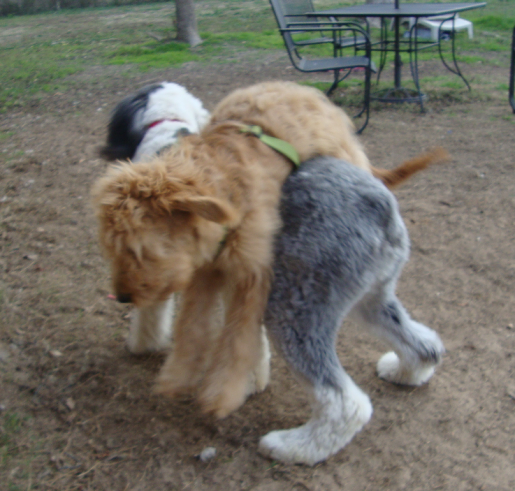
<point x="186" y="22"/>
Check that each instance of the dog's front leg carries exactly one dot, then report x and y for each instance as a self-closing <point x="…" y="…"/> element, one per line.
<point x="239" y="350"/>
<point x="151" y="328"/>
<point x="184" y="367"/>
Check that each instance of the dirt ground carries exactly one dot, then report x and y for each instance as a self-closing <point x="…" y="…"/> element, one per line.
<point x="76" y="408"/>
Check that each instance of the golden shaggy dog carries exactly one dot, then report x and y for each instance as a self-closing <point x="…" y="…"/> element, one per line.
<point x="201" y="219"/>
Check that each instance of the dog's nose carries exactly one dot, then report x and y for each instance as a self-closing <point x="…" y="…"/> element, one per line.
<point x="124" y="298"/>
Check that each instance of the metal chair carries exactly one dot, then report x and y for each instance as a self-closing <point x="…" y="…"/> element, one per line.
<point x="295" y="11"/>
<point x="344" y="35"/>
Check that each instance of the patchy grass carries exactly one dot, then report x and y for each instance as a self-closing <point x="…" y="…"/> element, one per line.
<point x="37" y="68"/>
<point x="40" y="52"/>
<point x="216" y="47"/>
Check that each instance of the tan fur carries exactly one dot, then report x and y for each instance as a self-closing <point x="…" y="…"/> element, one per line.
<point x="161" y="225"/>
<point x="392" y="178"/>
<point x="302" y="116"/>
<point x="201" y="219"/>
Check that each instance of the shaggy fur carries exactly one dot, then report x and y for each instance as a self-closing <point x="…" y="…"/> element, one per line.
<point x="201" y="218"/>
<point x="142" y="125"/>
<point x="151" y="119"/>
<point x="340" y="251"/>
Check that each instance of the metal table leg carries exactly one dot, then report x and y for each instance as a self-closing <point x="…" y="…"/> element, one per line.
<point x="398" y="93"/>
<point x="456" y="69"/>
<point x="413" y="60"/>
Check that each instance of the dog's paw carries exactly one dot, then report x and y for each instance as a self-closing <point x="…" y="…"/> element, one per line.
<point x="222" y="405"/>
<point x="173" y="382"/>
<point x="390" y="368"/>
<point x="139" y="346"/>
<point x="222" y="401"/>
<point x="293" y="446"/>
<point x="170" y="388"/>
<point x="330" y="430"/>
<point x="297" y="446"/>
<point x="276" y="446"/>
<point x="135" y="346"/>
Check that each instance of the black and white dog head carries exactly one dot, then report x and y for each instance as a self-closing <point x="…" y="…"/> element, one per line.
<point x="151" y="119"/>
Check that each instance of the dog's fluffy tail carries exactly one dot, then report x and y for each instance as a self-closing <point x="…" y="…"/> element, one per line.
<point x="394" y="177"/>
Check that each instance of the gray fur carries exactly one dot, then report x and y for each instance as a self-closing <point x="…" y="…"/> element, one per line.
<point x="341" y="250"/>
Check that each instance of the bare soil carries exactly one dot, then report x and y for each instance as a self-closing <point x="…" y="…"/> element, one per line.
<point x="77" y="409"/>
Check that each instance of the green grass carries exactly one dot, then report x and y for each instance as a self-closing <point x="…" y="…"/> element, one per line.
<point x="216" y="47"/>
<point x="36" y="69"/>
<point x="41" y="53"/>
<point x="496" y="22"/>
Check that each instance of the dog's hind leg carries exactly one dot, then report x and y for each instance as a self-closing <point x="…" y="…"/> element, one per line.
<point x="417" y="349"/>
<point x="339" y="408"/>
<point x="151" y="328"/>
<point x="337" y="415"/>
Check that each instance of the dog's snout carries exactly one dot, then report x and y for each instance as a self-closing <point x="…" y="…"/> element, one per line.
<point x="124" y="298"/>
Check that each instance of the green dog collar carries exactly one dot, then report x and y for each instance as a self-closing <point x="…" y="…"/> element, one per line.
<point x="278" y="145"/>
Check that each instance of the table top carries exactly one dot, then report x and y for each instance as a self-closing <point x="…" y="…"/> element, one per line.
<point x="404" y="10"/>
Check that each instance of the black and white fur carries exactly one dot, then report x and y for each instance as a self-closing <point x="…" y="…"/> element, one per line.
<point x="146" y="122"/>
<point x="142" y="125"/>
<point x="340" y="251"/>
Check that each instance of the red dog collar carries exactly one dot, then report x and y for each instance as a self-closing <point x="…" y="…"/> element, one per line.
<point x="159" y="121"/>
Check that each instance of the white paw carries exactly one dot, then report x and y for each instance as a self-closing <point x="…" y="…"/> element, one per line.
<point x="389" y="368"/>
<point x="278" y="445"/>
<point x="139" y="345"/>
<point x="322" y="436"/>
<point x="306" y="445"/>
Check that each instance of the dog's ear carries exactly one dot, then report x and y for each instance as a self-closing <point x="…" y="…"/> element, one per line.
<point x="212" y="209"/>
